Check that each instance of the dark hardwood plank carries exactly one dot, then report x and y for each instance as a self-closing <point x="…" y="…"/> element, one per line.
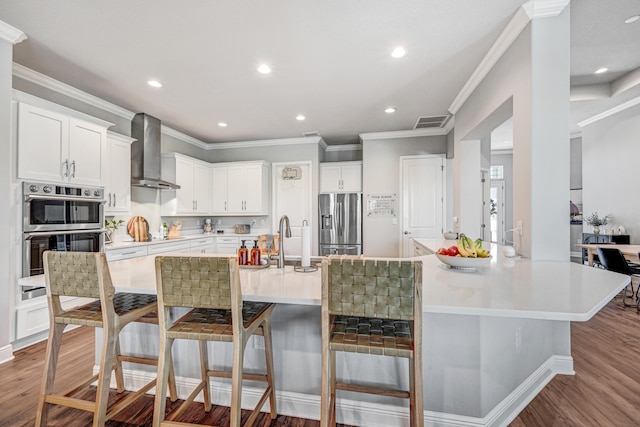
<point x="604" y="392"/>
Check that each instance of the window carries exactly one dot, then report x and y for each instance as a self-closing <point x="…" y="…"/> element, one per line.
<point x="496" y="172"/>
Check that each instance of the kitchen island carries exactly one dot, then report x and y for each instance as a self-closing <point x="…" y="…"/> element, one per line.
<point x="492" y="339"/>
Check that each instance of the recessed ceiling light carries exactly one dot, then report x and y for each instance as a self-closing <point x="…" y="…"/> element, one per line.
<point x="222" y="124"/>
<point x="601" y="70"/>
<point x="154" y="83"/>
<point x="264" y="69"/>
<point x="399" y="52"/>
<point x="390" y="110"/>
<point x="300" y="117"/>
<point x="632" y="19"/>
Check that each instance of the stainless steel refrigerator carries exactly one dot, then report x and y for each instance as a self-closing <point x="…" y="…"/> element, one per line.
<point x="340" y="224"/>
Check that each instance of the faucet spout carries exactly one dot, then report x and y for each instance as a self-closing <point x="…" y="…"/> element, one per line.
<point x="284" y="232"/>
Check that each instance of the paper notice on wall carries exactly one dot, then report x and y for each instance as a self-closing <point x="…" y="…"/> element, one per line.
<point x="381" y="205"/>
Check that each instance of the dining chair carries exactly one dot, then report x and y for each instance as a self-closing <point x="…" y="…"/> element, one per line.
<point x="210" y="287"/>
<point x="612" y="259"/>
<point x="371" y="306"/>
<point x="86" y="274"/>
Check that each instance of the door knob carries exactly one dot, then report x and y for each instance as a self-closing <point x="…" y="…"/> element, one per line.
<point x="407" y="232"/>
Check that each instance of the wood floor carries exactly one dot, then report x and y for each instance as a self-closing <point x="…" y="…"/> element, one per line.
<point x="604" y="392"/>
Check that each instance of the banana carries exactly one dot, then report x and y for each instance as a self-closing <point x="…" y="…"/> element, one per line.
<point x="478" y="243"/>
<point x="482" y="253"/>
<point x="461" y="249"/>
<point x="470" y="247"/>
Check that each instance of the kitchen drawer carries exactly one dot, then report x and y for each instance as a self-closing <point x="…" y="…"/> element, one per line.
<point x="33" y="317"/>
<point x="420" y="250"/>
<point x="227" y="241"/>
<point x="125" y="253"/>
<point x="205" y="245"/>
<point x="160" y="248"/>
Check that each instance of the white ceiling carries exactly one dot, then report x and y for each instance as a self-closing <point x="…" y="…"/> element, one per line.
<point x="330" y="58"/>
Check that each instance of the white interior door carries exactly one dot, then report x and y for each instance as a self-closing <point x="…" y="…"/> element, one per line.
<point x="497" y="212"/>
<point x="422" y="204"/>
<point x="292" y="197"/>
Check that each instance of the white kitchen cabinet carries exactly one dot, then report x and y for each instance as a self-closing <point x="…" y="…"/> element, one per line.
<point x="246" y="191"/>
<point x="204" y="245"/>
<point x="194" y="178"/>
<point x="133" y="251"/>
<point x="33" y="316"/>
<point x="180" y="246"/>
<point x="227" y="245"/>
<point x="56" y="147"/>
<point x="341" y="177"/>
<point x="117" y="187"/>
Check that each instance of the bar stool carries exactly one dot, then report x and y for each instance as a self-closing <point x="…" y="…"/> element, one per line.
<point x="210" y="286"/>
<point x="86" y="274"/>
<point x="374" y="307"/>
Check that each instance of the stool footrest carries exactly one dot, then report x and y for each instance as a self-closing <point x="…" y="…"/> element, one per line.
<point x="381" y="391"/>
<point x="70" y="402"/>
<point x="256" y="410"/>
<point x="121" y="405"/>
<point x="139" y="360"/>
<point x="247" y="377"/>
<point x="175" y="414"/>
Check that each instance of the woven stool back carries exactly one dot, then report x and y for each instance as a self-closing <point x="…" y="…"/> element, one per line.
<point x="380" y="288"/>
<point x="74" y="274"/>
<point x="195" y="282"/>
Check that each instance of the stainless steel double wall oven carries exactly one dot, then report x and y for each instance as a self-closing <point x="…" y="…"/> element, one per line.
<point x="59" y="218"/>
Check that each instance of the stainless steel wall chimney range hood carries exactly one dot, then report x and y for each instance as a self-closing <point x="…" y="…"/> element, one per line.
<point x="145" y="154"/>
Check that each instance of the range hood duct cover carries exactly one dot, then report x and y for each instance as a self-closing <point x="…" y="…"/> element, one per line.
<point x="146" y="162"/>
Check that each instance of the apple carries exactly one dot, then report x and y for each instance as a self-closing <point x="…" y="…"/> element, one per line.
<point x="443" y="251"/>
<point x="453" y="251"/>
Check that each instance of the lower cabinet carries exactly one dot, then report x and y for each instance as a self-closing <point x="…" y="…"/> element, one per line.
<point x="181" y="246"/>
<point x="33" y="316"/>
<point x="205" y="245"/>
<point x="125" y="253"/>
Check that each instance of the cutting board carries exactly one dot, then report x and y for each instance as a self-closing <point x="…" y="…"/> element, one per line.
<point x="138" y="228"/>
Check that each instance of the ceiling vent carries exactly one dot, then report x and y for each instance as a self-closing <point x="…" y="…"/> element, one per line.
<point x="431" y="122"/>
<point x="311" y="133"/>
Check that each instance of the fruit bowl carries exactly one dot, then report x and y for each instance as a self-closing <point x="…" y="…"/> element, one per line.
<point x="464" y="262"/>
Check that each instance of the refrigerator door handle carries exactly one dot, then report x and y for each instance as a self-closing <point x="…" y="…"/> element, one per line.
<point x="340" y="218"/>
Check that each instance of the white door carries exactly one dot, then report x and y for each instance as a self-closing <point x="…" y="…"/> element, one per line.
<point x="202" y="188"/>
<point x="184" y="178"/>
<point x="422" y="203"/>
<point x="236" y="190"/>
<point x="352" y="178"/>
<point x="253" y="191"/>
<point x="219" y="190"/>
<point x="87" y="148"/>
<point x="119" y="182"/>
<point x="497" y="212"/>
<point x="292" y="197"/>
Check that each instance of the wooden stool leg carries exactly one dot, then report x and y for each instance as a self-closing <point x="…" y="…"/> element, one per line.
<point x="416" y="404"/>
<point x="50" y="364"/>
<point x="173" y="392"/>
<point x="164" y="361"/>
<point x="332" y="385"/>
<point x="268" y="351"/>
<point x="117" y="366"/>
<point x="109" y="345"/>
<point x="204" y="367"/>
<point x="239" y="342"/>
<point x="324" y="386"/>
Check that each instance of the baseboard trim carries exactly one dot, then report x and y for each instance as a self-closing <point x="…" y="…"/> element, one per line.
<point x="6" y="354"/>
<point x="368" y="414"/>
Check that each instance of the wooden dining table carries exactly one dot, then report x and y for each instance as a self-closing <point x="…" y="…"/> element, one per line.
<point x="630" y="252"/>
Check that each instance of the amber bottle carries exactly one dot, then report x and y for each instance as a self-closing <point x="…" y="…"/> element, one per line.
<point x="243" y="255"/>
<point x="255" y="254"/>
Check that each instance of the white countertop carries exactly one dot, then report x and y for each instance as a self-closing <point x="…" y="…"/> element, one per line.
<point x="129" y="243"/>
<point x="520" y="288"/>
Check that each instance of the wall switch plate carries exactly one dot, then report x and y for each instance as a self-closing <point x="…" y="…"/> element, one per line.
<point x="394" y="221"/>
<point x="219" y="222"/>
<point x="518" y="336"/>
<point x="262" y="222"/>
<point x="519" y="227"/>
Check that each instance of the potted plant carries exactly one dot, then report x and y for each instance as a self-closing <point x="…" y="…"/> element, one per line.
<point x="596" y="221"/>
<point x="111" y="225"/>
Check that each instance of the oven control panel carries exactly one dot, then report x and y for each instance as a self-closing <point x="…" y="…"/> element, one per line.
<point x="31" y="188"/>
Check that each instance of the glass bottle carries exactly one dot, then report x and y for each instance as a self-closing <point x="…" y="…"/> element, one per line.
<point x="255" y="254"/>
<point x="243" y="254"/>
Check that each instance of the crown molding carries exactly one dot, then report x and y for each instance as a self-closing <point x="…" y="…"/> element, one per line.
<point x="574" y="135"/>
<point x="268" y="143"/>
<point x="344" y="147"/>
<point x="615" y="110"/>
<point x="513" y="29"/>
<point x="11" y="34"/>
<point x="57" y="86"/>
<point x="545" y="8"/>
<point x="412" y="133"/>
<point x="183" y="137"/>
<point x="501" y="152"/>
<point x="120" y="137"/>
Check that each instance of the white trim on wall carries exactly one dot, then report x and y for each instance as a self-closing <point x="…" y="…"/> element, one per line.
<point x="11" y="33"/>
<point x="615" y="110"/>
<point x="6" y="354"/>
<point x="412" y="133"/>
<point x="345" y="147"/>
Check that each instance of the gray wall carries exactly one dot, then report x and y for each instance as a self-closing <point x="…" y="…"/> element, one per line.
<point x="534" y="72"/>
<point x="381" y="175"/>
<point x="575" y="178"/>
<point x="610" y="153"/>
<point x="8" y="208"/>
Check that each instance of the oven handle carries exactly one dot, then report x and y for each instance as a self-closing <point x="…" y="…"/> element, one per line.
<point x="31" y="235"/>
<point x="30" y="197"/>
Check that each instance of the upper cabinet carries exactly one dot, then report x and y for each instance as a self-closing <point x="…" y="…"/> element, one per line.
<point x="194" y="178"/>
<point x="240" y="188"/>
<point x="341" y="177"/>
<point x="56" y="147"/>
<point x="117" y="188"/>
